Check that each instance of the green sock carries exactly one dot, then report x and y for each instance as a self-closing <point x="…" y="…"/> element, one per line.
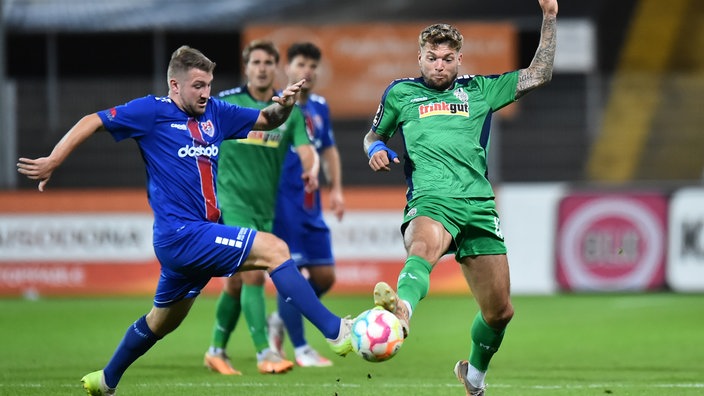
<point x="227" y="312"/>
<point x="485" y="342"/>
<point x="414" y="280"/>
<point x="254" y="307"/>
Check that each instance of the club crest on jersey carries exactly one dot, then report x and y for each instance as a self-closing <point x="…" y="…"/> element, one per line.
<point x="208" y="128"/>
<point x="461" y="95"/>
<point x="443" y="108"/>
<point x="111" y="113"/>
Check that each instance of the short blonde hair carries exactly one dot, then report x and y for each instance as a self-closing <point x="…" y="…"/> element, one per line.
<point x="186" y="58"/>
<point x="441" y="33"/>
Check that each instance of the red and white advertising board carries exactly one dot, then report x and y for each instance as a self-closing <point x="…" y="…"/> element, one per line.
<point x="76" y="243"/>
<point x="611" y="242"/>
<point x="93" y="242"/>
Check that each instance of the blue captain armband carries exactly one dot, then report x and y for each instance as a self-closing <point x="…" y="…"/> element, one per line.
<point x="379" y="146"/>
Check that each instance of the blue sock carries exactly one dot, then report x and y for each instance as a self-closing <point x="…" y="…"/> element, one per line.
<point x="293" y="320"/>
<point x="294" y="289"/>
<point x="138" y="339"/>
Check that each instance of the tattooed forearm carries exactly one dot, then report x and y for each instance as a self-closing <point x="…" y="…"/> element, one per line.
<point x="540" y="70"/>
<point x="275" y="115"/>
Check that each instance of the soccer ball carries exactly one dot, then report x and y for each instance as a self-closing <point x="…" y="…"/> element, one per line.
<point x="377" y="335"/>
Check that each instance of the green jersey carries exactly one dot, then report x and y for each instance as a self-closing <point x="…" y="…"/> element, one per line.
<point x="249" y="169"/>
<point x="446" y="133"/>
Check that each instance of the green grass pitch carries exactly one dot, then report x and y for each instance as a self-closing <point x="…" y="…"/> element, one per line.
<point x="625" y="344"/>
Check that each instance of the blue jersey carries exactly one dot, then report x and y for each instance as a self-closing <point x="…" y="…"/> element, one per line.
<point x="317" y="116"/>
<point x="180" y="154"/>
<point x="299" y="215"/>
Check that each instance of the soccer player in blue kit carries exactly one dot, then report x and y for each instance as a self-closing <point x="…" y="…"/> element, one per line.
<point x="178" y="137"/>
<point x="299" y="214"/>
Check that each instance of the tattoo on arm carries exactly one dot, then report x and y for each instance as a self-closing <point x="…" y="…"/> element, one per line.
<point x="540" y="70"/>
<point x="276" y="114"/>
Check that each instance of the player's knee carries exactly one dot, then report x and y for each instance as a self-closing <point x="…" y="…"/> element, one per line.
<point x="253" y="278"/>
<point x="323" y="278"/>
<point x="430" y="251"/>
<point x="233" y="286"/>
<point x="162" y="321"/>
<point x="500" y="317"/>
<point x="279" y="249"/>
<point x="323" y="285"/>
<point x="269" y="251"/>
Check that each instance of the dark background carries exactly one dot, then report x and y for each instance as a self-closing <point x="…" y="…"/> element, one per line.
<point x="547" y="140"/>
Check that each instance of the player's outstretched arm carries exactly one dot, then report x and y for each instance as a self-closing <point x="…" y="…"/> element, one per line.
<point x="275" y="114"/>
<point x="539" y="72"/>
<point x="42" y="168"/>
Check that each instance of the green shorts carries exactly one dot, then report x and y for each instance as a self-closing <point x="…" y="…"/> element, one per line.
<point x="473" y="223"/>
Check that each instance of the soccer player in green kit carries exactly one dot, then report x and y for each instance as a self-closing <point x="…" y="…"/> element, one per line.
<point x="247" y="188"/>
<point x="445" y="122"/>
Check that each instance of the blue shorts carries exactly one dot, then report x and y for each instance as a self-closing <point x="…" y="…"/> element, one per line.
<point x="197" y="253"/>
<point x="304" y="230"/>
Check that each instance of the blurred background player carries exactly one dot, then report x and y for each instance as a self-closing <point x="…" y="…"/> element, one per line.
<point x="299" y="213"/>
<point x="249" y="178"/>
<point x="451" y="206"/>
<point x="179" y="138"/>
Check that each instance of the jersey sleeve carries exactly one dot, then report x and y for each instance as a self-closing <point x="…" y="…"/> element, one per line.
<point x="499" y="90"/>
<point x="385" y="120"/>
<point x="235" y="121"/>
<point x="298" y="123"/>
<point x="130" y="120"/>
